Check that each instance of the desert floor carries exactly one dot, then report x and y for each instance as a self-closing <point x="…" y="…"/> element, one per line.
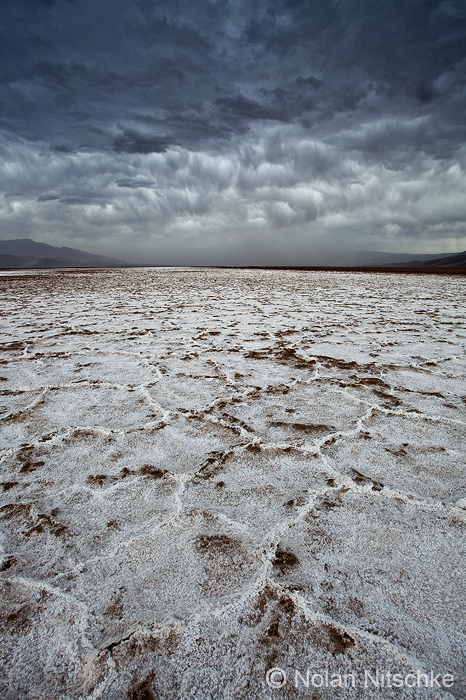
<point x="211" y="473"/>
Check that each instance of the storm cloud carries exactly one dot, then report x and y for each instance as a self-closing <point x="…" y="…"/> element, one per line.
<point x="232" y="132"/>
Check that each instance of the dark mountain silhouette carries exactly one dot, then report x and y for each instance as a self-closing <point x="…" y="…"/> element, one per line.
<point x="26" y="253"/>
<point x="457" y="260"/>
<point x="375" y="257"/>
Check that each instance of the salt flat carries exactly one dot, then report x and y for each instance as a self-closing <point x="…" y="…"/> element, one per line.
<point x="211" y="473"/>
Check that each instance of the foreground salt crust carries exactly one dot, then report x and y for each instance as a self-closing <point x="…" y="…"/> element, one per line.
<point x="207" y="474"/>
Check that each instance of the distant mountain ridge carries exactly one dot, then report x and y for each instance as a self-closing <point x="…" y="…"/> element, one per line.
<point x="376" y="257"/>
<point x="445" y="262"/>
<point x="26" y="253"/>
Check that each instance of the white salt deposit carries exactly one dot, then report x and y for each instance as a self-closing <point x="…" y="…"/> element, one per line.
<point x="211" y="473"/>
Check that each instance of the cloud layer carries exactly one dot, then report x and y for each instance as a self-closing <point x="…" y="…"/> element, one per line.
<point x="234" y="132"/>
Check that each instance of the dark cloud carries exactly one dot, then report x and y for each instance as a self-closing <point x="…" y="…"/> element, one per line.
<point x="48" y="197"/>
<point x="132" y="141"/>
<point x="244" y="109"/>
<point x="62" y="148"/>
<point x="77" y="201"/>
<point x="323" y="118"/>
<point x="62" y="59"/>
<point x="310" y="81"/>
<point x="134" y="183"/>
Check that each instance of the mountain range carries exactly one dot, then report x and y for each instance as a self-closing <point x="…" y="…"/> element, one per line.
<point x="375" y="258"/>
<point x="26" y="253"/>
<point x="445" y="262"/>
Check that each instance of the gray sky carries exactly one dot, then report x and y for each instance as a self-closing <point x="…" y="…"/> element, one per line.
<point x="272" y="132"/>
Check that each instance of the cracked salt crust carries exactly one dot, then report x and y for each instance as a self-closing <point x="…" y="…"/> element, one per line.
<point x="210" y="473"/>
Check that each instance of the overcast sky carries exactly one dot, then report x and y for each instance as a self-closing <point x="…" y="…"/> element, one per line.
<point x="205" y="131"/>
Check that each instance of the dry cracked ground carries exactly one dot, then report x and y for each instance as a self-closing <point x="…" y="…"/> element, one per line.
<point x="207" y="474"/>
